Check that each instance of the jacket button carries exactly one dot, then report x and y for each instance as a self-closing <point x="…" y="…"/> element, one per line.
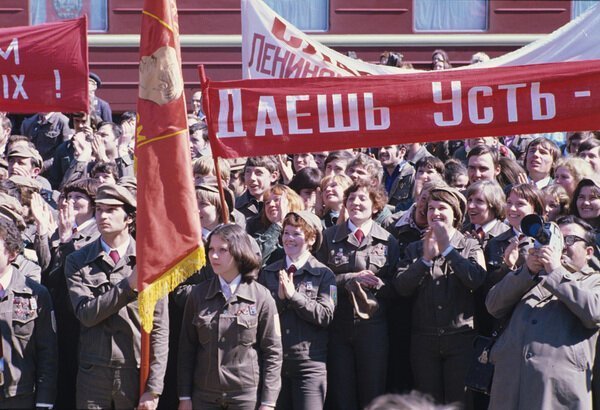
<point x="287" y="331"/>
<point x="440" y="307"/>
<point x="534" y="322"/>
<point x="222" y="339"/>
<point x="437" y="282"/>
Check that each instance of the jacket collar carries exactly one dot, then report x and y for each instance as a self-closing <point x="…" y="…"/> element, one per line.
<point x="243" y="291"/>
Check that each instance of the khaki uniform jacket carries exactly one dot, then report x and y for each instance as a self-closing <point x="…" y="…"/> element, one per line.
<point x="230" y="346"/>
<point x="107" y="309"/>
<point x="307" y="314"/>
<point x="28" y="340"/>
<point x="342" y="253"/>
<point x="544" y="357"/>
<point x="443" y="293"/>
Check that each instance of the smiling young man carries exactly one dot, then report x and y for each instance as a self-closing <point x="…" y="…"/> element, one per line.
<point x="260" y="173"/>
<point x="102" y="281"/>
<point x="483" y="163"/>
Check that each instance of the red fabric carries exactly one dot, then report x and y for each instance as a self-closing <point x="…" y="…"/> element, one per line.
<point x="30" y="84"/>
<point x="489" y="102"/>
<point x="168" y="226"/>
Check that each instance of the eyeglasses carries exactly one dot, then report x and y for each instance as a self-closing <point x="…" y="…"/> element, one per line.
<point x="571" y="239"/>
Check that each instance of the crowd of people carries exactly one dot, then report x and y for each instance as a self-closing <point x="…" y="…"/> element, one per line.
<point x="333" y="278"/>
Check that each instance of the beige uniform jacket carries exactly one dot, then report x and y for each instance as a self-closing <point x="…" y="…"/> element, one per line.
<point x="107" y="308"/>
<point x="544" y="357"/>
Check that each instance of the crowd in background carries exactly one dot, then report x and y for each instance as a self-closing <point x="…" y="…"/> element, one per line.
<point x="338" y="276"/>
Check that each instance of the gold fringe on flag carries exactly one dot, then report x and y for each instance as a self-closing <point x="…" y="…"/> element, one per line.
<point x="169" y="280"/>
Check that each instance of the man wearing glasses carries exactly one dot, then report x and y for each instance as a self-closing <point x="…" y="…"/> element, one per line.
<point x="544" y="357"/>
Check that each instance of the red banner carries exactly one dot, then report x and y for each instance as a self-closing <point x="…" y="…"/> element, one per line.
<point x="44" y="68"/>
<point x="169" y="237"/>
<point x="263" y="117"/>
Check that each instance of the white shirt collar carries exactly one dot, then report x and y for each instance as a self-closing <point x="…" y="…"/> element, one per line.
<point x="298" y="263"/>
<point x="121" y="250"/>
<point x="544" y="182"/>
<point x="85" y="224"/>
<point x="487" y="226"/>
<point x="366" y="228"/>
<point x="5" y="280"/>
<point x="230" y="288"/>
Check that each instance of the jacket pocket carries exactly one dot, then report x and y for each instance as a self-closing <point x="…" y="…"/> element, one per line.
<point x="247" y="329"/>
<point x="203" y="328"/>
<point x="23" y="316"/>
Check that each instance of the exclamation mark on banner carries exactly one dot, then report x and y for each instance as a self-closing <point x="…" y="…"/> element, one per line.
<point x="57" y="83"/>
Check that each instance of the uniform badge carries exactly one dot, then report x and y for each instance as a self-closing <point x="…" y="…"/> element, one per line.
<point x="339" y="257"/>
<point x="252" y="310"/>
<point x="33" y="303"/>
<point x="379" y="250"/>
<point x="333" y="293"/>
<point x="309" y="286"/>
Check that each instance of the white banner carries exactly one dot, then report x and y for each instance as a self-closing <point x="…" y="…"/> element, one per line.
<point x="273" y="48"/>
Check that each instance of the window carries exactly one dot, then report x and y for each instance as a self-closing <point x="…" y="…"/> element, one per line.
<point x="450" y="15"/>
<point x="307" y="15"/>
<point x="46" y="11"/>
<point x="580" y="6"/>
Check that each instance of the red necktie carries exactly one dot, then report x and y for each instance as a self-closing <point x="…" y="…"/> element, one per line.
<point x="114" y="255"/>
<point x="292" y="269"/>
<point x="480" y="233"/>
<point x="359" y="234"/>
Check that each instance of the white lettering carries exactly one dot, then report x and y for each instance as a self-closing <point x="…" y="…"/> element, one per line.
<point x="438" y="117"/>
<point x="338" y="113"/>
<point x="224" y="112"/>
<point x="370" y="111"/>
<point x="511" y="100"/>
<point x="267" y="111"/>
<point x="293" y="114"/>
<point x="536" y="103"/>
<point x="18" y="79"/>
<point x="488" y="112"/>
<point x="12" y="47"/>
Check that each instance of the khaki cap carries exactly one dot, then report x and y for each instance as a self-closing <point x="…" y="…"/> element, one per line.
<point x="26" y="182"/>
<point x="111" y="194"/>
<point x="23" y="150"/>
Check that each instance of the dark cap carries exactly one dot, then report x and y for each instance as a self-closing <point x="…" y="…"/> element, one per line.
<point x="96" y="79"/>
<point x="314" y="222"/>
<point x="111" y="194"/>
<point x="23" y="150"/>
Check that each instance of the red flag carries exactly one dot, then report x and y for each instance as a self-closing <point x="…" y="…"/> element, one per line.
<point x="169" y="237"/>
<point x="44" y="68"/>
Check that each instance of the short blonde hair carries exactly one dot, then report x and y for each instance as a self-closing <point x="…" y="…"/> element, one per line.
<point x="579" y="168"/>
<point x="205" y="166"/>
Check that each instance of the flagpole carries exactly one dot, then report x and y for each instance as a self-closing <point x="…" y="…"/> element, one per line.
<point x="224" y="208"/>
<point x="144" y="360"/>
